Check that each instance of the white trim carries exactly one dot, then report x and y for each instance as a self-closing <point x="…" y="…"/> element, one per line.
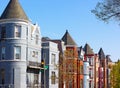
<point x="15" y="38"/>
<point x="12" y="61"/>
<point x="14" y="21"/>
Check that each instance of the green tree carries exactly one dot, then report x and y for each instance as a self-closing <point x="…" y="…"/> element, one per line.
<point x="107" y="9"/>
<point x="115" y="75"/>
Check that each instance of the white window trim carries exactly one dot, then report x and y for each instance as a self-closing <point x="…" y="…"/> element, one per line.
<point x="15" y="53"/>
<point x="16" y="29"/>
<point x="2" y="52"/>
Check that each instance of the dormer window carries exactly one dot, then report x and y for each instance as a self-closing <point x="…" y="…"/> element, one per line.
<point x="17" y="31"/>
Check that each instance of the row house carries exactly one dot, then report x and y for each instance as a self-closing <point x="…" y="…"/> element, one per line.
<point x="72" y="64"/>
<point x="96" y="68"/>
<point x="92" y="69"/>
<point x="70" y="60"/>
<point x="109" y="66"/>
<point x="20" y="49"/>
<point x="88" y="67"/>
<point x="61" y="66"/>
<point x="96" y="71"/>
<point x="50" y="56"/>
<point x="104" y="69"/>
<point x="29" y="61"/>
<point x="80" y="67"/>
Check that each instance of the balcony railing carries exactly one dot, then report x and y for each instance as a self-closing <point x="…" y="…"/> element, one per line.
<point x="35" y="65"/>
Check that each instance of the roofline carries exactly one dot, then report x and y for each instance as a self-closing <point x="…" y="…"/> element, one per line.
<point x="14" y="10"/>
<point x="71" y="45"/>
<point x="14" y="19"/>
<point x="88" y="55"/>
<point x="4" y="21"/>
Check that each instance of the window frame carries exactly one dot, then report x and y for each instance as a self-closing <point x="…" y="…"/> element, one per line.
<point x="53" y="77"/>
<point x="2" y="72"/>
<point x="53" y="57"/>
<point x="15" y="52"/>
<point x="35" y="54"/>
<point x="37" y="39"/>
<point x="3" y="49"/>
<point x="81" y="69"/>
<point x="81" y="83"/>
<point x="3" y="32"/>
<point x="17" y="31"/>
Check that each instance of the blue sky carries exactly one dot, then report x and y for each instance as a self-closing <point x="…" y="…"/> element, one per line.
<point x="55" y="16"/>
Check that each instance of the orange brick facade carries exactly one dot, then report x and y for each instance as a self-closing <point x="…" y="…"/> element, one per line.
<point x="73" y="76"/>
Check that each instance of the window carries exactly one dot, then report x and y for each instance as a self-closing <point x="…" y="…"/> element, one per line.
<point x="17" y="52"/>
<point x="81" y="57"/>
<point x="97" y="74"/>
<point x="91" y="61"/>
<point x="44" y="56"/>
<point x="3" y="53"/>
<point x="91" y="73"/>
<point x="3" y="32"/>
<point x="36" y="76"/>
<point x="53" y="59"/>
<point x="102" y="64"/>
<point x="81" y="69"/>
<point x="70" y="84"/>
<point x="90" y="86"/>
<point x="70" y="53"/>
<point x="37" y="38"/>
<point x="2" y="73"/>
<point x="35" y="54"/>
<point x="81" y="83"/>
<point x="17" y="31"/>
<point x="53" y="77"/>
<point x="26" y="32"/>
<point x="70" y="67"/>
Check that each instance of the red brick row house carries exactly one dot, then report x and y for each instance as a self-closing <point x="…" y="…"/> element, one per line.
<point x="80" y="67"/>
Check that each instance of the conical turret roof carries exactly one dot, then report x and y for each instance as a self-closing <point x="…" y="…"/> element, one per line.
<point x="68" y="39"/>
<point x="14" y="10"/>
<point x="88" y="50"/>
<point x="101" y="54"/>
